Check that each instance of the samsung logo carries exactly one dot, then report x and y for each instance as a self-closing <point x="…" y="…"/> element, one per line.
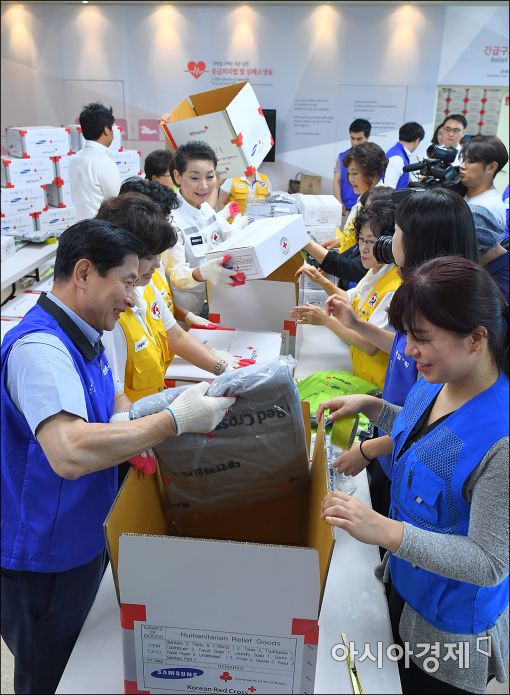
<point x="25" y="171"/>
<point x="178" y="673"/>
<point x="56" y="219"/>
<point x="16" y="200"/>
<point x="40" y="142"/>
<point x="254" y="149"/>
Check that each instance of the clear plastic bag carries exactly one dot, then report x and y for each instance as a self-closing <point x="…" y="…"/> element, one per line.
<point x="257" y="452"/>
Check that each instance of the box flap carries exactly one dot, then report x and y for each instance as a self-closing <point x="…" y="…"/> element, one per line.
<point x="137" y="508"/>
<point x="182" y="111"/>
<point x="320" y="534"/>
<point x="215" y="99"/>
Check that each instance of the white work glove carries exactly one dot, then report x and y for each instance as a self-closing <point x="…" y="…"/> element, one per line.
<point x="122" y="416"/>
<point x="193" y="411"/>
<point x="191" y="319"/>
<point x="233" y="361"/>
<point x="239" y="222"/>
<point x="215" y="273"/>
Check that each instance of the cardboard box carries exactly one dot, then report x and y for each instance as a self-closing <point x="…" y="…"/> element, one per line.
<point x="230" y="120"/>
<point x="263" y="246"/>
<point x="26" y="172"/>
<point x="271" y="208"/>
<point x="8" y="247"/>
<point x="61" y="168"/>
<point x="18" y="225"/>
<point x="232" y="607"/>
<point x="17" y="308"/>
<point x="319" y="209"/>
<point x="37" y="141"/>
<point x="321" y="232"/>
<point x="24" y="199"/>
<point x="76" y="139"/>
<point x="261" y="346"/>
<point x="59" y="194"/>
<point x="54" y="221"/>
<point x="128" y="162"/>
<point x="310" y="185"/>
<point x="260" y="305"/>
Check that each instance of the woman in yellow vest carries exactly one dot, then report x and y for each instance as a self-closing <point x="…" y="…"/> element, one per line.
<point x="146" y="336"/>
<point x="370" y="298"/>
<point x="254" y="185"/>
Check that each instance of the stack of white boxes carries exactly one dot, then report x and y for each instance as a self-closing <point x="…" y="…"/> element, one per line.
<point x="32" y="189"/>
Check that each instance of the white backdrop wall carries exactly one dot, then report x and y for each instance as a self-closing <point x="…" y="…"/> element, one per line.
<point x="318" y="65"/>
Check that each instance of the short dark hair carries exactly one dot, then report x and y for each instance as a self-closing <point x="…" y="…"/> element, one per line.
<point x="360" y="125"/>
<point x="379" y="215"/>
<point x="94" y="118"/>
<point x="436" y="222"/>
<point x="142" y="217"/>
<point x="195" y="149"/>
<point x="377" y="193"/>
<point x="160" y="194"/>
<point x="456" y="117"/>
<point x="104" y="244"/>
<point x="409" y="132"/>
<point x="486" y="149"/>
<point x="457" y="295"/>
<point x="158" y="163"/>
<point x="370" y="158"/>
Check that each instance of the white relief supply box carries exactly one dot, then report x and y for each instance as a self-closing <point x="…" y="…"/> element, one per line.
<point x="128" y="163"/>
<point x="18" y="225"/>
<point x="8" y="247"/>
<point x="26" y="172"/>
<point x="59" y="194"/>
<point x="61" y="168"/>
<point x="321" y="232"/>
<point x="212" y="611"/>
<point x="54" y="221"/>
<point x="263" y="246"/>
<point x="6" y="325"/>
<point x="261" y="346"/>
<point x="319" y="209"/>
<point x="76" y="139"/>
<point x="37" y="141"/>
<point x="24" y="199"/>
<point x="230" y="120"/>
<point x="17" y="308"/>
<point x="260" y="305"/>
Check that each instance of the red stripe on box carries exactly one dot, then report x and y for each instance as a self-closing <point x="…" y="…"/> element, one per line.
<point x="7" y="162"/>
<point x="131" y="688"/>
<point x="260" y="110"/>
<point x="308" y="628"/>
<point x="168" y="134"/>
<point x="170" y="383"/>
<point x="43" y="186"/>
<point x="10" y="185"/>
<point x="56" y="158"/>
<point x="25" y="156"/>
<point x="129" y="612"/>
<point x="34" y="214"/>
<point x="215" y="318"/>
<point x="23" y="132"/>
<point x="290" y="326"/>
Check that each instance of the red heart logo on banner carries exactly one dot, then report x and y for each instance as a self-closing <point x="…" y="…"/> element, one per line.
<point x="196" y="69"/>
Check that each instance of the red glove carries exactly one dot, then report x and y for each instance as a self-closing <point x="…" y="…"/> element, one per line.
<point x="238" y="278"/>
<point x="234" y="209"/>
<point x="244" y="362"/>
<point x="145" y="462"/>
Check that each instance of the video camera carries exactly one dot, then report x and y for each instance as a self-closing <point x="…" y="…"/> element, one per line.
<point x="437" y="169"/>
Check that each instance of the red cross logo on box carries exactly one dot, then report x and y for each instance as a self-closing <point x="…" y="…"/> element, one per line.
<point x="225" y="676"/>
<point x="284" y="245"/>
<point x="251" y="689"/>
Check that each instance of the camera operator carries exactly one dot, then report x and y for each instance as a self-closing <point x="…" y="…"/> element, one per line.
<point x="482" y="159"/>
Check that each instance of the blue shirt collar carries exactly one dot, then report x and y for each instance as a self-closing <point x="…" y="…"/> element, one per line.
<point x="90" y="333"/>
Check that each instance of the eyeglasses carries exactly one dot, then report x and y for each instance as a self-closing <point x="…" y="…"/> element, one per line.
<point x="368" y="242"/>
<point x="452" y="131"/>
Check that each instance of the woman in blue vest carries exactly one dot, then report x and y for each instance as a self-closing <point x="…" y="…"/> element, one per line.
<point x="447" y="534"/>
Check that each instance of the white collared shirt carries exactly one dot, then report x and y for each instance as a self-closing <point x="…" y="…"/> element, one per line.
<point x="94" y="176"/>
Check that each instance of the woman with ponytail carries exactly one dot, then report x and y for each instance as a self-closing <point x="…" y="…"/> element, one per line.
<point x="447" y="531"/>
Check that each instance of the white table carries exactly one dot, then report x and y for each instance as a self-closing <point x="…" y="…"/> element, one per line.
<point x="354" y="600"/>
<point x="24" y="261"/>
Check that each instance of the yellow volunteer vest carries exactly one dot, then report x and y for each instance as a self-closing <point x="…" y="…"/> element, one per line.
<point x="241" y="191"/>
<point x="373" y="367"/>
<point x="347" y="236"/>
<point x="164" y="289"/>
<point x="148" y="354"/>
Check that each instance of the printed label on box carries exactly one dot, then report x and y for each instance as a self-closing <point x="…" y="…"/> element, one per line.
<point x="185" y="660"/>
<point x="243" y="263"/>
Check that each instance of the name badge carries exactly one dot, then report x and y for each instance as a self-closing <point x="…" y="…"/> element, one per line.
<point x="196" y="240"/>
<point x="141" y="344"/>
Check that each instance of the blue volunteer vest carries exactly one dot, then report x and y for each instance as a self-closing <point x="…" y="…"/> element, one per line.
<point x="399" y="151"/>
<point x="347" y="194"/>
<point x="51" y="524"/>
<point x="426" y="491"/>
<point x="400" y="377"/>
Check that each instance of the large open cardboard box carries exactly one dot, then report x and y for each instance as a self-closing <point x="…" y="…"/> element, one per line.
<point x="230" y="120"/>
<point x="260" y="305"/>
<point x="231" y="607"/>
